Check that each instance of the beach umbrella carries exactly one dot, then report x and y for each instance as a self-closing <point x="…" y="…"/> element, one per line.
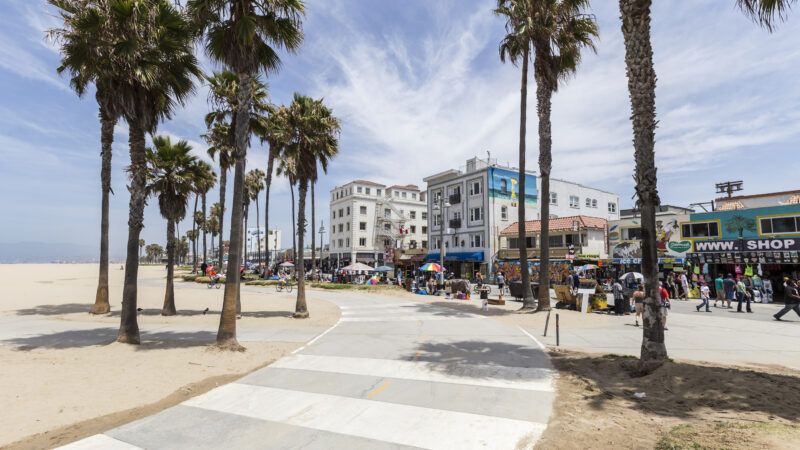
<point x="383" y="269"/>
<point x="286" y="264"/>
<point x="357" y="267"/>
<point x="637" y="275"/>
<point x="587" y="267"/>
<point x="431" y="267"/>
<point x="373" y="281"/>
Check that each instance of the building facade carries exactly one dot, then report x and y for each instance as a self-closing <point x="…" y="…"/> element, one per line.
<point x="483" y="198"/>
<point x="625" y="236"/>
<point x="757" y="200"/>
<point x="371" y="221"/>
<point x="256" y="236"/>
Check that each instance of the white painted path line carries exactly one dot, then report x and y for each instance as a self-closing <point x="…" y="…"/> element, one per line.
<point x="524" y="378"/>
<point x="100" y="442"/>
<point x="409" y="318"/>
<point x="377" y="306"/>
<point x="541" y="346"/>
<point x="318" y="336"/>
<point x="388" y="422"/>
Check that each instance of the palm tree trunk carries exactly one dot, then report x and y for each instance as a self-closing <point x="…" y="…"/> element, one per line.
<point x="313" y="237"/>
<point x="527" y="295"/>
<point x="223" y="186"/>
<point x="101" y="304"/>
<point x="226" y="335"/>
<point x="205" y="222"/>
<point x="544" y="95"/>
<point x="294" y="226"/>
<point x="243" y="259"/>
<point x="300" y="308"/>
<point x="641" y="88"/>
<point x="258" y="235"/>
<point x="169" y="295"/>
<point x="270" y="167"/>
<point x="128" y="326"/>
<point x="194" y="234"/>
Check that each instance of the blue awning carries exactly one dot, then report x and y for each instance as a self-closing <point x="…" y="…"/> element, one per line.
<point x="457" y="256"/>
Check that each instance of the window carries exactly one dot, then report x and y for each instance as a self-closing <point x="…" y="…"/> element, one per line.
<point x="387" y="226"/>
<point x="341" y="212"/>
<point x="387" y="213"/>
<point x="341" y="243"/>
<point x="475" y="240"/>
<point x="347" y="226"/>
<point x="378" y="192"/>
<point x="367" y="191"/>
<point x="573" y="239"/>
<point x="612" y="207"/>
<point x="437" y="220"/>
<point x="348" y="210"/>
<point x="404" y="195"/>
<point x="333" y="215"/>
<point x="424" y="215"/>
<point x="504" y="213"/>
<point x="424" y="229"/>
<point x="778" y="225"/>
<point x="556" y="241"/>
<point x="414" y="195"/>
<point x="475" y="214"/>
<point x="455" y="241"/>
<point x="503" y="185"/>
<point x="475" y="188"/>
<point x="588" y="202"/>
<point x="594" y="203"/>
<point x="396" y="194"/>
<point x="574" y="201"/>
<point x="700" y="230"/>
<point x="362" y="209"/>
<point x="530" y="242"/>
<point x="387" y="243"/>
<point x="425" y="244"/>
<point x="347" y="242"/>
<point x="631" y="233"/>
<point x="413" y="228"/>
<point x="553" y="198"/>
<point x="402" y="213"/>
<point x="358" y="189"/>
<point x="362" y="226"/>
<point x="362" y="242"/>
<point x="413" y="214"/>
<point x="341" y="228"/>
<point x="457" y="215"/>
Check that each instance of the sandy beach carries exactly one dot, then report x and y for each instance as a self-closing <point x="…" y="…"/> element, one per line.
<point x="63" y="376"/>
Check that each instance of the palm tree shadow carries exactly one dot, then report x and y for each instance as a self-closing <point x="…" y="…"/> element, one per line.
<point x="681" y="390"/>
<point x="105" y="336"/>
<point x="55" y="310"/>
<point x="483" y="360"/>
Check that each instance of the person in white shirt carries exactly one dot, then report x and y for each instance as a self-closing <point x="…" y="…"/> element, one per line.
<point x="705" y="296"/>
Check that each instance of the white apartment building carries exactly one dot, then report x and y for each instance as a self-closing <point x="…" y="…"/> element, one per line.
<point x="483" y="198"/>
<point x="369" y="221"/>
<point x="254" y="235"/>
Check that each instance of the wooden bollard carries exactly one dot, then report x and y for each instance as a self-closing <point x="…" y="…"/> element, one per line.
<point x="546" y="323"/>
<point x="558" y="338"/>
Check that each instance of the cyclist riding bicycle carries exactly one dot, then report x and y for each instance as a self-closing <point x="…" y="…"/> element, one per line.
<point x="213" y="275"/>
<point x="282" y="279"/>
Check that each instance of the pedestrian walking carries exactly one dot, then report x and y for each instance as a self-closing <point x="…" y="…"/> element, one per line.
<point x="501" y="283"/>
<point x="719" y="291"/>
<point x="742" y="295"/>
<point x="665" y="305"/>
<point x="705" y="296"/>
<point x="729" y="286"/>
<point x="792" y="300"/>
<point x="619" y="298"/>
<point x="684" y="286"/>
<point x="638" y="303"/>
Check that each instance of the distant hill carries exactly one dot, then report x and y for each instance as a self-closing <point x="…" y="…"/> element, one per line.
<point x="45" y="252"/>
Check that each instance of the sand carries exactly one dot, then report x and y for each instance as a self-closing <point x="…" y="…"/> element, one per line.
<point x="62" y="388"/>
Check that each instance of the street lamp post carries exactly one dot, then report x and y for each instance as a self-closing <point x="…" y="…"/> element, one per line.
<point x="442" y="207"/>
<point x="322" y="243"/>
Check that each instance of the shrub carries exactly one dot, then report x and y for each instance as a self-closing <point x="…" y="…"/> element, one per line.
<point x="206" y="280"/>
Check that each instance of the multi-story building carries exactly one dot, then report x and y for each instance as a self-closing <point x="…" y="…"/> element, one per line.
<point x="256" y="236"/>
<point x="757" y="200"/>
<point x="370" y="221"/>
<point x="483" y="198"/>
<point x="625" y="236"/>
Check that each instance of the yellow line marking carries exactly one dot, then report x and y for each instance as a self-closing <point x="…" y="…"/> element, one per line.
<point x="380" y="388"/>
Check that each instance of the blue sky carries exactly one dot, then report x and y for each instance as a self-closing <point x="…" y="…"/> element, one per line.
<point x="419" y="88"/>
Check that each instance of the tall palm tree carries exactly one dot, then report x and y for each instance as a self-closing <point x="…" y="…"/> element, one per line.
<point x="156" y="44"/>
<point x="89" y="56"/>
<point x="141" y="246"/>
<point x="244" y="35"/>
<point x="255" y="184"/>
<point x="641" y="74"/>
<point x="315" y="133"/>
<point x="204" y="180"/>
<point x="287" y="167"/>
<point x="212" y="223"/>
<point x="218" y="139"/>
<point x="274" y="134"/>
<point x="556" y="31"/>
<point x="171" y="176"/>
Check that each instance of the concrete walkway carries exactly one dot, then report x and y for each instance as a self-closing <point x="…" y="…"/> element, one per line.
<point x="391" y="374"/>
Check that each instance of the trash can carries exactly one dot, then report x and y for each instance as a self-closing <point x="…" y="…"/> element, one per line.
<point x="484" y="294"/>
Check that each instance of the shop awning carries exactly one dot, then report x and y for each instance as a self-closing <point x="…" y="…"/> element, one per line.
<point x="457" y="256"/>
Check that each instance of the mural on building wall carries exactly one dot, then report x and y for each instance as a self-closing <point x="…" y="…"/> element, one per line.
<point x="559" y="270"/>
<point x="668" y="242"/>
<point x="744" y="223"/>
<point x="505" y="184"/>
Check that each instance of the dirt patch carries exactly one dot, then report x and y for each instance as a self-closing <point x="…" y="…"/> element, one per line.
<point x="599" y="404"/>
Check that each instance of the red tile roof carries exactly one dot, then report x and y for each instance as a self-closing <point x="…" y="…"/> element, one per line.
<point x="559" y="224"/>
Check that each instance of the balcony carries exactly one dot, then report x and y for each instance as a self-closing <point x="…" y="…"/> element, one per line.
<point x="455" y="198"/>
<point x="455" y="223"/>
<point x="535" y="253"/>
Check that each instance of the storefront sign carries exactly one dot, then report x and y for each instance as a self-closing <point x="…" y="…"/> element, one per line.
<point x="680" y="246"/>
<point x="744" y="245"/>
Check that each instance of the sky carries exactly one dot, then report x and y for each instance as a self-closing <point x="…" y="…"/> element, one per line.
<point x="419" y="88"/>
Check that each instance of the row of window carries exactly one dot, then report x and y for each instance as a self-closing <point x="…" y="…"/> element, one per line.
<point x="556" y="241"/>
<point x="768" y="225"/>
<point x="368" y="191"/>
<point x="475" y="215"/>
<point x="575" y="202"/>
<point x="474" y="240"/>
<point x="362" y="242"/>
<point x="362" y="226"/>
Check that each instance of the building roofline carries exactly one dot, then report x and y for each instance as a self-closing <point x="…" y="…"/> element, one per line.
<point x="512" y="229"/>
<point x="408" y="187"/>
<point x="442" y="174"/>
<point x="583" y="186"/>
<point x="770" y="194"/>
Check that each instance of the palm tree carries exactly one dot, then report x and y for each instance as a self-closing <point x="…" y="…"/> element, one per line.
<point x="90" y="58"/>
<point x="287" y="167"/>
<point x="218" y="139"/>
<point x="641" y="74"/>
<point x="212" y="224"/>
<point x="557" y="31"/>
<point x="204" y="180"/>
<point x="171" y="176"/>
<point x="254" y="182"/>
<point x="314" y="132"/>
<point x="243" y="34"/>
<point x="274" y="134"/>
<point x="141" y="246"/>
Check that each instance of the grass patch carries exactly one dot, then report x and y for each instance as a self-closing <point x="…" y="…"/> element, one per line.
<point x="728" y="435"/>
<point x="190" y="277"/>
<point x="206" y="280"/>
<point x="259" y="282"/>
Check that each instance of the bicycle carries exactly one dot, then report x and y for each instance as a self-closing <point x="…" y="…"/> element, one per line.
<point x="214" y="283"/>
<point x="477" y="289"/>
<point x="283" y="286"/>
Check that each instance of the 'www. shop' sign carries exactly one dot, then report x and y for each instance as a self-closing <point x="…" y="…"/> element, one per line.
<point x="776" y="245"/>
